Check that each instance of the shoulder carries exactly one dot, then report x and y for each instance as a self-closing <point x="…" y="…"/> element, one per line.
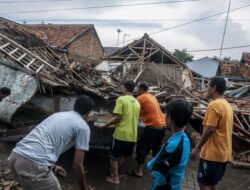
<point x="121" y="99"/>
<point x="215" y="104"/>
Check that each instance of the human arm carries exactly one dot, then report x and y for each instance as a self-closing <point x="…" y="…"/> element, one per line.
<point x="210" y="122"/>
<point x="208" y="131"/>
<point x="79" y="169"/>
<point x="118" y="111"/>
<point x="113" y="121"/>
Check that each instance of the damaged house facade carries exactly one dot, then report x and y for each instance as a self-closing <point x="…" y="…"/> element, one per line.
<point x="236" y="71"/>
<point x="146" y="60"/>
<point x="77" y="40"/>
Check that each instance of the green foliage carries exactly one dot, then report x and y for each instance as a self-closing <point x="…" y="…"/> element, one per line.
<point x="183" y="55"/>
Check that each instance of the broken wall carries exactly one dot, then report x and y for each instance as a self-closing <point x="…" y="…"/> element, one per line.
<point x="23" y="87"/>
<point x="93" y="49"/>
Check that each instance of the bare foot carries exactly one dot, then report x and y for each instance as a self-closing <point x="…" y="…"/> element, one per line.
<point x="113" y="180"/>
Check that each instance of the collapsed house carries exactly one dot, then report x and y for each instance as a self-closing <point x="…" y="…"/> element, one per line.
<point x="146" y="60"/>
<point x="44" y="80"/>
<point x="236" y="71"/>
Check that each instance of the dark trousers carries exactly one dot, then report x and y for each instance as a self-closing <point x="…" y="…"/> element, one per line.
<point x="151" y="139"/>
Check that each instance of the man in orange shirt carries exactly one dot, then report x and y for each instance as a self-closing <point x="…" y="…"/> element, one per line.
<point x="154" y="131"/>
<point x="215" y="145"/>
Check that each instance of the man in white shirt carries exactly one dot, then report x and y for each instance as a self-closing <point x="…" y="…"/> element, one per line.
<point x="34" y="156"/>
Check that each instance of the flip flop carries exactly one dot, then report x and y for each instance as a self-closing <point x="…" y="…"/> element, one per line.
<point x="133" y="174"/>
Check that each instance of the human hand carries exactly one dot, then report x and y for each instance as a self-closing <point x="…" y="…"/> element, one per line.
<point x="194" y="154"/>
<point x="99" y="125"/>
<point x="58" y="170"/>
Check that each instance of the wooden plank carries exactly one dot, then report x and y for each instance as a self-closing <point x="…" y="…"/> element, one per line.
<point x="151" y="54"/>
<point x="144" y="50"/>
<point x="239" y="122"/>
<point x="5" y="45"/>
<point x="238" y="164"/>
<point x="141" y="48"/>
<point x="27" y="51"/>
<point x="20" y="58"/>
<point x="30" y="63"/>
<point x="39" y="69"/>
<point x="245" y="121"/>
<point x="14" y="51"/>
<point x="134" y="52"/>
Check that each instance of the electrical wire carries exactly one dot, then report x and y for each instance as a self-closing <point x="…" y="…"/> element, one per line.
<point x="187" y="23"/>
<point x="99" y="7"/>
<point x="217" y="49"/>
<point x="14" y="2"/>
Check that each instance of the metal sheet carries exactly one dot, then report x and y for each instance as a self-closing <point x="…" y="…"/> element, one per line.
<point x="205" y="67"/>
<point x="23" y="87"/>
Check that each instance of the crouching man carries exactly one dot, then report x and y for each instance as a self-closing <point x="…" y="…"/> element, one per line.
<point x="168" y="166"/>
<point x="34" y="156"/>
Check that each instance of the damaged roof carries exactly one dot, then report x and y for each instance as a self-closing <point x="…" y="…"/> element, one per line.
<point x="58" y="34"/>
<point x="145" y="50"/>
<point x="205" y="67"/>
<point x="245" y="57"/>
<point x="235" y="70"/>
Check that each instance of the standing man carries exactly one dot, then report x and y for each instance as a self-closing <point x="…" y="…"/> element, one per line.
<point x="4" y="92"/>
<point x="34" y="157"/>
<point x="215" y="145"/>
<point x="126" y="111"/>
<point x="154" y="131"/>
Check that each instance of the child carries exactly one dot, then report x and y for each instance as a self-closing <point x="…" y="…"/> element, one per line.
<point x="168" y="166"/>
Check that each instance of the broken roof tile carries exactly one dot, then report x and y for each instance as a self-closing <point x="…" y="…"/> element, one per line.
<point x="56" y="34"/>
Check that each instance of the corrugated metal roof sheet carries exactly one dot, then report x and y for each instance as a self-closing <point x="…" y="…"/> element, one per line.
<point x="205" y="67"/>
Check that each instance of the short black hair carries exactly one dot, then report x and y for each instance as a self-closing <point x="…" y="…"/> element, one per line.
<point x="220" y="84"/>
<point x="143" y="86"/>
<point x="129" y="85"/>
<point x="5" y="91"/>
<point x="83" y="104"/>
<point x="179" y="111"/>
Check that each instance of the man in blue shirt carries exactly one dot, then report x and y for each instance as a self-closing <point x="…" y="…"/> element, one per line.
<point x="34" y="156"/>
<point x="168" y="166"/>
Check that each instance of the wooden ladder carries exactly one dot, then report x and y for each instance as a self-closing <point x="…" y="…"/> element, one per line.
<point x="23" y="56"/>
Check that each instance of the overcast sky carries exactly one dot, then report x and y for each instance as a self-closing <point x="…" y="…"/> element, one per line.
<point x="205" y="34"/>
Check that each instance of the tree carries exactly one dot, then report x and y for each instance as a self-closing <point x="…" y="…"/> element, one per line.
<point x="229" y="59"/>
<point x="225" y="59"/>
<point x="183" y="55"/>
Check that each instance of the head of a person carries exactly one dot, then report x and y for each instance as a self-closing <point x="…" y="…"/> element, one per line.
<point x="4" y="92"/>
<point x="142" y="87"/>
<point x="128" y="87"/>
<point x="83" y="105"/>
<point x="216" y="86"/>
<point x="178" y="113"/>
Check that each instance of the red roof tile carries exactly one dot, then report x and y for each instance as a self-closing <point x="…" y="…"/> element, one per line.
<point x="245" y="57"/>
<point x="235" y="69"/>
<point x="58" y="35"/>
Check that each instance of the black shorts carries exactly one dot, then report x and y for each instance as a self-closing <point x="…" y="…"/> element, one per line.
<point x="210" y="173"/>
<point x="151" y="139"/>
<point x="121" y="149"/>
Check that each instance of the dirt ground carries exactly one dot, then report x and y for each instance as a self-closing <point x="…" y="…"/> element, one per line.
<point x="97" y="163"/>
